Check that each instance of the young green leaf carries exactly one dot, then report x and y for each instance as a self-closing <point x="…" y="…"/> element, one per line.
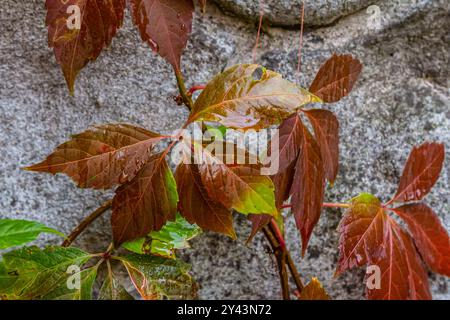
<point x="165" y="25"/>
<point x="103" y="156"/>
<point x="326" y="131"/>
<point x="249" y="96"/>
<point x="157" y="277"/>
<point x="61" y="290"/>
<point x="112" y="290"/>
<point x="314" y="291"/>
<point x="173" y="235"/>
<point x="368" y="236"/>
<point x="336" y="78"/>
<point x="18" y="232"/>
<point x="78" y="30"/>
<point x="421" y="172"/>
<point x="146" y="202"/>
<point x="40" y="274"/>
<point x="429" y="235"/>
<point x="7" y="281"/>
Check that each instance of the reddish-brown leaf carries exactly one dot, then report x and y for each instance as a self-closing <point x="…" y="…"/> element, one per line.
<point x="234" y="185"/>
<point x="326" y="130"/>
<point x="197" y="207"/>
<point x="336" y="78"/>
<point x="73" y="47"/>
<point x="307" y="188"/>
<point x="289" y="138"/>
<point x="145" y="203"/>
<point x="368" y="236"/>
<point x="314" y="291"/>
<point x="248" y="96"/>
<point x="165" y="25"/>
<point x="103" y="156"/>
<point x="259" y="221"/>
<point x="429" y="235"/>
<point x="282" y="182"/>
<point x="421" y="172"/>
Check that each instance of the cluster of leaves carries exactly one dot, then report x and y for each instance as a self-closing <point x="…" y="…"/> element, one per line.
<point x="307" y="161"/>
<point x="369" y="236"/>
<point x="155" y="211"/>
<point x="164" y="24"/>
<point x="52" y="273"/>
<point x="244" y="96"/>
<point x="205" y="192"/>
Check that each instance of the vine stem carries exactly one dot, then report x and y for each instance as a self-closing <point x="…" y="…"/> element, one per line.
<point x="187" y="100"/>
<point x="86" y="222"/>
<point x="293" y="269"/>
<point x="325" y="205"/>
<point x="281" y="257"/>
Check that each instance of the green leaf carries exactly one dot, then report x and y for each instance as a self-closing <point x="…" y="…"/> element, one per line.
<point x="18" y="232"/>
<point x="84" y="292"/>
<point x="112" y="290"/>
<point x="174" y="235"/>
<point x="249" y="96"/>
<point x="38" y="273"/>
<point x="6" y="280"/>
<point x="157" y="277"/>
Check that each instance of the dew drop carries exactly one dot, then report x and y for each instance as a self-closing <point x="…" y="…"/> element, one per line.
<point x="183" y="27"/>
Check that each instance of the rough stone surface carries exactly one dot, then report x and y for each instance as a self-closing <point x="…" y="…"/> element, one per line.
<point x="402" y="99"/>
<point x="287" y="12"/>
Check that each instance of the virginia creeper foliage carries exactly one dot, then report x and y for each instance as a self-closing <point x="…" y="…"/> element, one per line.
<point x="156" y="211"/>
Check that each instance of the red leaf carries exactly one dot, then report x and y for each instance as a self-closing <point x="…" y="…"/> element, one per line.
<point x="282" y="182"/>
<point x="368" y="236"/>
<point x="103" y="156"/>
<point x="197" y="207"/>
<point x="336" y="78"/>
<point x="74" y="48"/>
<point x="234" y="185"/>
<point x="165" y="25"/>
<point x="421" y="172"/>
<point x="289" y="136"/>
<point x="308" y="187"/>
<point x="326" y="130"/>
<point x="145" y="203"/>
<point x="259" y="221"/>
<point x="429" y="235"/>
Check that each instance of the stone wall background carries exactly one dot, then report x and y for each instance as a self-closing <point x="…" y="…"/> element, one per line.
<point x="401" y="99"/>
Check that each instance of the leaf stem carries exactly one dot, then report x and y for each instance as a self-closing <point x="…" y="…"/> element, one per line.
<point x="187" y="100"/>
<point x="86" y="222"/>
<point x="277" y="232"/>
<point x="195" y="88"/>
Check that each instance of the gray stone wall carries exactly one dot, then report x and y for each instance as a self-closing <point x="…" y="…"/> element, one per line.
<point x="401" y="99"/>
